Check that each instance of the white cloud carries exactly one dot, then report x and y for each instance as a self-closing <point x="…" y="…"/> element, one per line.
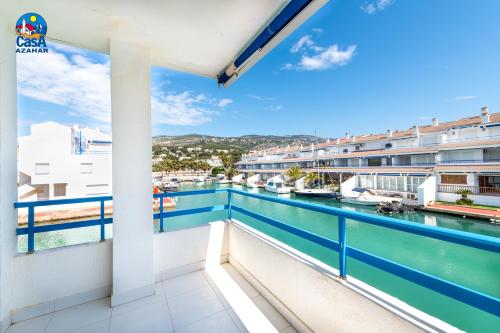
<point x="72" y="81"/>
<point x="317" y="30"/>
<point x="323" y="59"/>
<point x="303" y="43"/>
<point x="181" y="109"/>
<point x="463" y="98"/>
<point x="315" y="57"/>
<point x="262" y="98"/>
<point x="376" y="6"/>
<point x="274" y="108"/>
<point x="70" y="77"/>
<point x="225" y="101"/>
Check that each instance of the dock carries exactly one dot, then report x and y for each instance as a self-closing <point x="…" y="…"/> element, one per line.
<point x="465" y="211"/>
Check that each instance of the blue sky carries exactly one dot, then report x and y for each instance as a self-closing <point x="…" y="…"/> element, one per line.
<point x="356" y="66"/>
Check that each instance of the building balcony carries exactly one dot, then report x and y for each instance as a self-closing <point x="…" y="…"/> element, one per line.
<point x="244" y="272"/>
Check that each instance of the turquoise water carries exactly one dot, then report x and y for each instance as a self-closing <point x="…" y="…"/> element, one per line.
<point x="476" y="269"/>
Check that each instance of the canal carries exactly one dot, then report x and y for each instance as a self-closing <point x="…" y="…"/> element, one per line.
<point x="476" y="269"/>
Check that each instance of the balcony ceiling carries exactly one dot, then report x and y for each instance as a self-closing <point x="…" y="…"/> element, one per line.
<point x="198" y="36"/>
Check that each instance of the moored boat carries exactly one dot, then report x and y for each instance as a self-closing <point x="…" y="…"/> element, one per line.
<point x="277" y="185"/>
<point x="367" y="198"/>
<point x="316" y="192"/>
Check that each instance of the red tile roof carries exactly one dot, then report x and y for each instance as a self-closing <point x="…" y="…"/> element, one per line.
<point x="476" y="120"/>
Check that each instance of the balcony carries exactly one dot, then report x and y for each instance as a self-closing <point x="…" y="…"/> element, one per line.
<point x="236" y="274"/>
<point x="475" y="190"/>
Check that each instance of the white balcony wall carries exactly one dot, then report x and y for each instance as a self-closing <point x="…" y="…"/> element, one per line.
<point x="430" y="139"/>
<point x="422" y="159"/>
<point x="308" y="294"/>
<point x="51" y="280"/>
<point x="8" y="170"/>
<point x="462" y="155"/>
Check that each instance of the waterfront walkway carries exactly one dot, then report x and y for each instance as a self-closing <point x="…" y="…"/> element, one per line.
<point x="214" y="300"/>
<point x="475" y="212"/>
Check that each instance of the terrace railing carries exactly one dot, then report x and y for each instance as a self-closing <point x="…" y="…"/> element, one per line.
<point x="475" y="190"/>
<point x="466" y="295"/>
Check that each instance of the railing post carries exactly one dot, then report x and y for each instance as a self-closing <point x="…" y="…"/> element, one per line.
<point x="342" y="247"/>
<point x="229" y="202"/>
<point x="161" y="214"/>
<point x="103" y="236"/>
<point x="31" y="229"/>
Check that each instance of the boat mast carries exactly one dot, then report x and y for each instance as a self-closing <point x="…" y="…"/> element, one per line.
<point x="317" y="158"/>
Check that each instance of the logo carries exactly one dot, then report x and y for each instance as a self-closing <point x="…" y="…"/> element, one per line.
<point x="31" y="29"/>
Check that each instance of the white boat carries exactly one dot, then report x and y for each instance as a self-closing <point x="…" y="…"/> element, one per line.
<point x="316" y="192"/>
<point x="367" y="198"/>
<point x="169" y="185"/>
<point x="198" y="179"/>
<point x="277" y="185"/>
<point x="255" y="184"/>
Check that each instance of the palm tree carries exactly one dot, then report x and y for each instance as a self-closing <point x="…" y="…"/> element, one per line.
<point x="295" y="173"/>
<point x="228" y="162"/>
<point x="311" y="178"/>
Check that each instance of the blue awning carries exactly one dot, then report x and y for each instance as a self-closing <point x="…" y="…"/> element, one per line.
<point x="287" y="14"/>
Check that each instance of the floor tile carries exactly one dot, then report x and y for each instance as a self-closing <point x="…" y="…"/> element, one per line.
<point x="217" y="323"/>
<point x="150" y="318"/>
<point x="184" y="283"/>
<point x="193" y="306"/>
<point x="34" y="325"/>
<point x="158" y="297"/>
<point x="79" y="316"/>
<point x="99" y="327"/>
<point x="237" y="321"/>
<point x="249" y="290"/>
<point x="271" y="313"/>
<point x="289" y="329"/>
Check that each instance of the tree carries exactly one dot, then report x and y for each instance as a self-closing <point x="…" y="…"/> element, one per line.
<point x="311" y="178"/>
<point x="217" y="170"/>
<point x="295" y="173"/>
<point x="228" y="161"/>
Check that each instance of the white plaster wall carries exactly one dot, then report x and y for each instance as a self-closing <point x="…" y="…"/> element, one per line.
<point x="58" y="278"/>
<point x="8" y="179"/>
<point x="46" y="278"/>
<point x="347" y="186"/>
<point x="426" y="192"/>
<point x="478" y="199"/>
<point x="181" y="251"/>
<point x="322" y="302"/>
<point x="51" y="143"/>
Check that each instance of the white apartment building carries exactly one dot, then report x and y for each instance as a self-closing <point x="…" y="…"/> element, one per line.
<point x="57" y="161"/>
<point x="460" y="154"/>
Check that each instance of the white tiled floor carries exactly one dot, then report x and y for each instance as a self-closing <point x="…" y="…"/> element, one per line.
<point x="188" y="303"/>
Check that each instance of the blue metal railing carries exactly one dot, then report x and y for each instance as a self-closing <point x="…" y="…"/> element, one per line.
<point x="466" y="295"/>
<point x="31" y="229"/>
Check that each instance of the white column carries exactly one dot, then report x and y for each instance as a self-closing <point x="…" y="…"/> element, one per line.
<point x="133" y="275"/>
<point x="8" y="169"/>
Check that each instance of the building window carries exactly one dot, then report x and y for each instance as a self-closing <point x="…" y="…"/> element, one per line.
<point x="42" y="192"/>
<point x="42" y="168"/>
<point x="86" y="168"/>
<point x="374" y="162"/>
<point x="97" y="189"/>
<point x="60" y="190"/>
<point x="454" y="179"/>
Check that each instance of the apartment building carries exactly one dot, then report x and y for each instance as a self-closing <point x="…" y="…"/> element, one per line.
<point x="460" y="154"/>
<point x="57" y="161"/>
